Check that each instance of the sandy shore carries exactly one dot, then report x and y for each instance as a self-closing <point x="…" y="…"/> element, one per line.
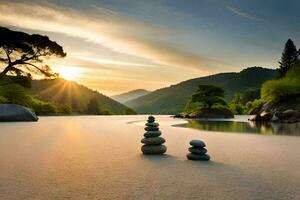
<point x="99" y="158"/>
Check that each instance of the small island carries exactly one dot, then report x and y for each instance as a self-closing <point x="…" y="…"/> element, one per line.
<point x="207" y="102"/>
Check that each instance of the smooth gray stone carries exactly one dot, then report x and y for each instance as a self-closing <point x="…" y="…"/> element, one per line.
<point x="197" y="143"/>
<point x="16" y="113"/>
<point x="153" y="140"/>
<point x="153" y="124"/>
<point x="151" y="128"/>
<point x="153" y="149"/>
<point x="150" y="121"/>
<point x="197" y="150"/>
<point x="191" y="156"/>
<point x="151" y="118"/>
<point x="150" y="134"/>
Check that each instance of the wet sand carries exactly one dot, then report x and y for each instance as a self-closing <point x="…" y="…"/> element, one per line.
<point x="99" y="158"/>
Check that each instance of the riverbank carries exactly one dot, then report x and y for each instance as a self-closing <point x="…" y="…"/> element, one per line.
<point x="99" y="157"/>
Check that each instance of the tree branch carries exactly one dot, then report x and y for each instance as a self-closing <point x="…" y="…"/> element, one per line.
<point x="7" y="54"/>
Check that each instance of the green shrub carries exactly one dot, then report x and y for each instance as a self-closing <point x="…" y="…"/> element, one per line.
<point x="64" y="109"/>
<point x="3" y="99"/>
<point x="287" y="86"/>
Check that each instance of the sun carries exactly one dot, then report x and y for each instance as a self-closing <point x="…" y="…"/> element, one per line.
<point x="68" y="73"/>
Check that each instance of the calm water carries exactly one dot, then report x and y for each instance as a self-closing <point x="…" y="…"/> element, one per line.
<point x="241" y="125"/>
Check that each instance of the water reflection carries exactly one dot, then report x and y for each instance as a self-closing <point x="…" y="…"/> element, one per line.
<point x="245" y="127"/>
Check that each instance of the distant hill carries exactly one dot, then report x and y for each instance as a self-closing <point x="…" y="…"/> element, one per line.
<point x="128" y="96"/>
<point x="60" y="91"/>
<point x="171" y="100"/>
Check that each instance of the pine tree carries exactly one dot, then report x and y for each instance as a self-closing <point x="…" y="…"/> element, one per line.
<point x="289" y="58"/>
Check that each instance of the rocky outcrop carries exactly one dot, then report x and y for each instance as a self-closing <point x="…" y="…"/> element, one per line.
<point x="287" y="116"/>
<point x="208" y="114"/>
<point x="284" y="111"/>
<point x="16" y="113"/>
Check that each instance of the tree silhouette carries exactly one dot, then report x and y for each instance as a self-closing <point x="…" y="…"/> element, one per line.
<point x="289" y="57"/>
<point x="23" y="53"/>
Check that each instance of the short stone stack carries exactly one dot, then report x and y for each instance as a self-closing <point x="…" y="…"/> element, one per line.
<point x="197" y="151"/>
<point x="153" y="144"/>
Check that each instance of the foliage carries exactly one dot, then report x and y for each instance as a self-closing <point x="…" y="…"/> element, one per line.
<point x="287" y="86"/>
<point x="16" y="94"/>
<point x="244" y="102"/>
<point x="23" y="53"/>
<point x="206" y="96"/>
<point x="76" y="96"/>
<point x="172" y="100"/>
<point x="64" y="109"/>
<point x="129" y="111"/>
<point x="93" y="107"/>
<point x="289" y="58"/>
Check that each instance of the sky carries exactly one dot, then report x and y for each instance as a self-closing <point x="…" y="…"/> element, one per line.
<point x="114" y="46"/>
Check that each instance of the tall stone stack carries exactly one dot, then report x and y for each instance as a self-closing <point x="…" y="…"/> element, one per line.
<point x="153" y="143"/>
<point x="197" y="151"/>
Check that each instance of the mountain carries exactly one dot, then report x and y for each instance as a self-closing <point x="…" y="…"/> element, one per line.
<point x="171" y="100"/>
<point x="62" y="92"/>
<point x="128" y="96"/>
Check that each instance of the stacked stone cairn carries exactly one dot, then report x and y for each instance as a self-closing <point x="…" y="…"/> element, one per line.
<point x="197" y="151"/>
<point x="153" y="144"/>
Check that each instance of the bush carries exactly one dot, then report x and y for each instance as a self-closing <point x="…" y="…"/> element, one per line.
<point x="42" y="108"/>
<point x="289" y="85"/>
<point x="64" y="109"/>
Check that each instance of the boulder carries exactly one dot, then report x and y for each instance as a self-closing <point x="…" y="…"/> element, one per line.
<point x="254" y="118"/>
<point x="287" y="114"/>
<point x="265" y="116"/>
<point x="197" y="143"/>
<point x="16" y="113"/>
<point x="275" y="119"/>
<point x="153" y="140"/>
<point x="154" y="149"/>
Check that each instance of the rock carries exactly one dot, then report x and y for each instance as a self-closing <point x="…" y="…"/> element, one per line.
<point x="197" y="143"/>
<point x="178" y="116"/>
<point x="153" y="149"/>
<point x="153" y="140"/>
<point x="289" y="114"/>
<point x="192" y="156"/>
<point x="292" y="120"/>
<point x="16" y="113"/>
<point x="265" y="116"/>
<point x="151" y="118"/>
<point x="150" y="134"/>
<point x="254" y="118"/>
<point x="151" y="128"/>
<point x="275" y="119"/>
<point x="196" y="150"/>
<point x="154" y="124"/>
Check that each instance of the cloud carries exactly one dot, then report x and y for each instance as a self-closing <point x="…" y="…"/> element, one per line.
<point x="240" y="13"/>
<point x="107" y="28"/>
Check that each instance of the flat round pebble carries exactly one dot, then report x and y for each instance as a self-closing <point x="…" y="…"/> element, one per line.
<point x="153" y="124"/>
<point x="151" y="128"/>
<point x="197" y="150"/>
<point x="150" y="134"/>
<point x="151" y="118"/>
<point x="153" y="140"/>
<point x="154" y="149"/>
<point x="192" y="156"/>
<point x="197" y="143"/>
